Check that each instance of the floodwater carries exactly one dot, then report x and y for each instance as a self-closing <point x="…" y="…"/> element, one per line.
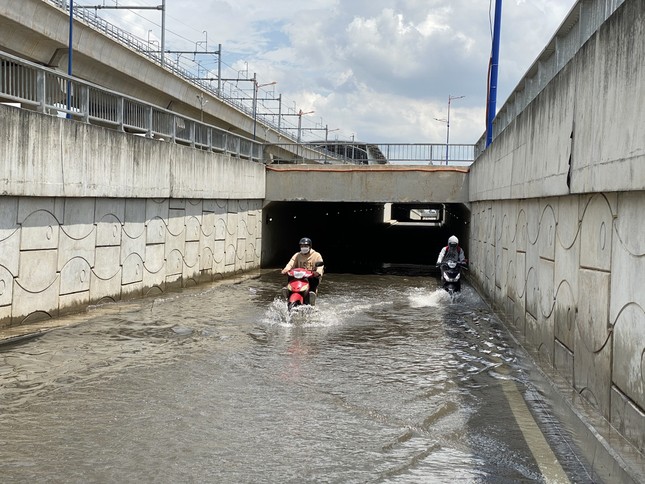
<point x="386" y="380"/>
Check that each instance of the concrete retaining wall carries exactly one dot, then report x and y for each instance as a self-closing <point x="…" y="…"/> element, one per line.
<point x="89" y="214"/>
<point x="557" y="235"/>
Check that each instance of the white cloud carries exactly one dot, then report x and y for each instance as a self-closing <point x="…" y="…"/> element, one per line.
<point x="379" y="69"/>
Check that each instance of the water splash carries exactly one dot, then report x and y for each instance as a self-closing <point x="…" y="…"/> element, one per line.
<point x="422" y="298"/>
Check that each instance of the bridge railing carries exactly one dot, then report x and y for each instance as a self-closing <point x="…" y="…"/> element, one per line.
<point x="51" y="92"/>
<point x="355" y="152"/>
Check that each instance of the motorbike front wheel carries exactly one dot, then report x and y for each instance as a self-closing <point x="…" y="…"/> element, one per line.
<point x="294" y="304"/>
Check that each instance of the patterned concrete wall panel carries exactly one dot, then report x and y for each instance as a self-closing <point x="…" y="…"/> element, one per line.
<point x="521" y="231"/>
<point x="70" y="248"/>
<point x="8" y="216"/>
<point x="258" y="250"/>
<point x="132" y="291"/>
<point x="177" y="204"/>
<point x="546" y="239"/>
<point x="37" y="270"/>
<point x="132" y="269"/>
<point x="220" y="227"/>
<point x="193" y="228"/>
<point x="6" y="287"/>
<point x="629" y="350"/>
<point x="40" y="231"/>
<point x="499" y="264"/>
<point x="156" y="279"/>
<point x="546" y="291"/>
<point x="592" y="343"/>
<point x="563" y="361"/>
<point x="217" y="207"/>
<point x="219" y="257"/>
<point x="29" y="205"/>
<point x="78" y="218"/>
<point x="75" y="276"/>
<point x="135" y="246"/>
<point x="157" y="208"/>
<point x="520" y="278"/>
<point x="630" y="210"/>
<point x="108" y="231"/>
<point x="71" y="302"/>
<point x="532" y="293"/>
<point x="109" y="206"/>
<point x="628" y="258"/>
<point x="191" y="257"/>
<point x="107" y="263"/>
<point x="490" y="268"/>
<point x="250" y="253"/>
<point x="174" y="263"/>
<point x="567" y="267"/>
<point x="507" y="233"/>
<point x="230" y="257"/>
<point x="240" y="255"/>
<point x="538" y="335"/>
<point x="9" y="248"/>
<point x="511" y="281"/>
<point x="194" y="208"/>
<point x="155" y="231"/>
<point x="135" y="217"/>
<point x="206" y="258"/>
<point x="5" y="316"/>
<point x="596" y="234"/>
<point x="155" y="258"/>
<point x="564" y="315"/>
<point x="628" y="419"/>
<point x="177" y="222"/>
<point x="534" y="211"/>
<point x="208" y="226"/>
<point x="29" y="306"/>
<point x="568" y="224"/>
<point x="175" y="243"/>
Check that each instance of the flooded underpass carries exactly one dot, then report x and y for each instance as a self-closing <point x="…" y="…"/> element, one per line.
<point x="386" y="380"/>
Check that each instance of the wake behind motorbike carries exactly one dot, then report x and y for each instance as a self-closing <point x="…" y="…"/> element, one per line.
<point x="298" y="287"/>
<point x="451" y="275"/>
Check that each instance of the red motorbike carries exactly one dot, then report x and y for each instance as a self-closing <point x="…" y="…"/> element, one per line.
<point x="298" y="290"/>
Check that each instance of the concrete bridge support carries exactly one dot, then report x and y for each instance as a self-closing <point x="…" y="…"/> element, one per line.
<point x="557" y="230"/>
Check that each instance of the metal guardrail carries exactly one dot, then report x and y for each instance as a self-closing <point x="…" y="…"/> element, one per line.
<point x="371" y="153"/>
<point x="236" y="99"/>
<point x="52" y="92"/>
<point x="583" y="21"/>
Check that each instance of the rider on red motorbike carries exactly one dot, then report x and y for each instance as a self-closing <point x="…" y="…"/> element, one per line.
<point x="308" y="259"/>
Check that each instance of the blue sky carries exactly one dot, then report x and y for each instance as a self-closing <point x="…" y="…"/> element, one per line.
<point x="379" y="71"/>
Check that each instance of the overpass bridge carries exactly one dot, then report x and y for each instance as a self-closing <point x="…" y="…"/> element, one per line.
<point x="551" y="211"/>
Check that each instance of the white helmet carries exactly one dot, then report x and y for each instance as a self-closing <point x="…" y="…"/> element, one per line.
<point x="453" y="240"/>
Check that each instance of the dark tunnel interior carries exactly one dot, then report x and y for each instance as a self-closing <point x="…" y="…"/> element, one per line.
<point x="355" y="238"/>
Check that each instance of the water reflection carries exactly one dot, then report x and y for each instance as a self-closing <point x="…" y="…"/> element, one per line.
<point x="385" y="380"/>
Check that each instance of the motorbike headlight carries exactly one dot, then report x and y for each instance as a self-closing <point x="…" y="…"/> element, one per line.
<point x="299" y="274"/>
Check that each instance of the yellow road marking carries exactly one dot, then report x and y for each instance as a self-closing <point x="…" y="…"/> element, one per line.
<point x="546" y="460"/>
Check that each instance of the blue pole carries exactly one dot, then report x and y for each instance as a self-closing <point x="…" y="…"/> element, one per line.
<point x="492" y="88"/>
<point x="69" y="56"/>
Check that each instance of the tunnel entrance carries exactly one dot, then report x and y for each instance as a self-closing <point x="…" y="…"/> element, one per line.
<point x="360" y="237"/>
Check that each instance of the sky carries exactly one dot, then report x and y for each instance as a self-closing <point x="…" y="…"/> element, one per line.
<point x="379" y="71"/>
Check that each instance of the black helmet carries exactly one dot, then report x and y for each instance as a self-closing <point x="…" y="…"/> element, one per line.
<point x="305" y="241"/>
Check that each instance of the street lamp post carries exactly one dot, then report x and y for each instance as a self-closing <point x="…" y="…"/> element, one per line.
<point x="450" y="98"/>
